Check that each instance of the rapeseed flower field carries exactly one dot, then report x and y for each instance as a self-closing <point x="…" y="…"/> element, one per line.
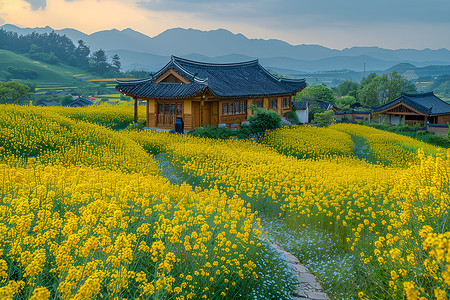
<point x="85" y="213"/>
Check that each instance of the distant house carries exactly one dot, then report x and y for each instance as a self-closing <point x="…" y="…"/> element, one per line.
<point x="203" y="93"/>
<point x="46" y="103"/>
<point x="425" y="109"/>
<point x="302" y="110"/>
<point x="353" y="116"/>
<point x="322" y="104"/>
<point x="81" y="102"/>
<point x="412" y="109"/>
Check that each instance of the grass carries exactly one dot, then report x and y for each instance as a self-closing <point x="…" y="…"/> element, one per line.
<point x="48" y="74"/>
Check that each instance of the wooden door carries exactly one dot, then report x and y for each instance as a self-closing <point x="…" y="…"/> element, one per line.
<point x="214" y="113"/>
<point x="196" y="114"/>
<point x="206" y="113"/>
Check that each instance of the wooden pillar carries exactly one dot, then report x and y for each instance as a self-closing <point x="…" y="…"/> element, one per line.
<point x="146" y="113"/>
<point x="202" y="104"/>
<point x="279" y="106"/>
<point x="135" y="110"/>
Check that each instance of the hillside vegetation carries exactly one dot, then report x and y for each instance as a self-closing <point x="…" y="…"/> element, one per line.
<point x="47" y="75"/>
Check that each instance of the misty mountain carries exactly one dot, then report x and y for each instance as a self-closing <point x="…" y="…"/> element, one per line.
<point x="139" y="51"/>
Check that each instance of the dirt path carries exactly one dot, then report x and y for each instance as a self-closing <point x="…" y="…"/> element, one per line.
<point x="308" y="287"/>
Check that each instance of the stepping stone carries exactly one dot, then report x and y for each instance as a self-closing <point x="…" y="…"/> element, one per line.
<point x="317" y="295"/>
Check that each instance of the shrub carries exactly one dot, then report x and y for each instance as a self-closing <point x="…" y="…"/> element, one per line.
<point x="262" y="120"/>
<point x="440" y="141"/>
<point x="292" y="117"/>
<point x="323" y="119"/>
<point x="212" y="132"/>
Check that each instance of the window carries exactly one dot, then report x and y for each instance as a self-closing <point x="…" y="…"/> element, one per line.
<point x="243" y="107"/>
<point x="172" y="109"/>
<point x="273" y="103"/>
<point x="286" y="102"/>
<point x="258" y="103"/>
<point x="225" y="108"/>
<point x="234" y="107"/>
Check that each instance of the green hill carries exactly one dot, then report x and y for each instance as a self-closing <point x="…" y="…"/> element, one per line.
<point x="41" y="75"/>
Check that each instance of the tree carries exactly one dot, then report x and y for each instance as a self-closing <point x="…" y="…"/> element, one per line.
<point x="344" y="103"/>
<point x="99" y="62"/>
<point x="316" y="92"/>
<point x="263" y="119"/>
<point x="347" y="87"/>
<point x="384" y="88"/>
<point x="116" y="65"/>
<point x="13" y="92"/>
<point x="81" y="53"/>
<point x="322" y="119"/>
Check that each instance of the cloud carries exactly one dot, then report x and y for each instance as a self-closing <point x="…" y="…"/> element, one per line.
<point x="2" y="21"/>
<point x="319" y="11"/>
<point x="36" y="4"/>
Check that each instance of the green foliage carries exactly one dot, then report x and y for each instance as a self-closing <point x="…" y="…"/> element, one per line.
<point x="344" y="103"/>
<point x="212" y="132"/>
<point x="440" y="141"/>
<point x="347" y="87"/>
<point x="376" y="90"/>
<point x="262" y="120"/>
<point x="13" y="92"/>
<point x="292" y="117"/>
<point x="45" y="57"/>
<point x="22" y="73"/>
<point x="66" y="100"/>
<point x="322" y="119"/>
<point x="313" y="111"/>
<point x="316" y="92"/>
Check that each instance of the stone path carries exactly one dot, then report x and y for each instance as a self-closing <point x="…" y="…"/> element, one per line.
<point x="307" y="288"/>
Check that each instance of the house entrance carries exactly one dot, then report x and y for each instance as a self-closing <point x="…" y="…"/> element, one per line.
<point x="167" y="114"/>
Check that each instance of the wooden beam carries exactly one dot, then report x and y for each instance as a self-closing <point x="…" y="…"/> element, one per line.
<point x="135" y="110"/>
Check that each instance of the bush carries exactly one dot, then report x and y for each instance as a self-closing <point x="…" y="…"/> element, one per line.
<point x="22" y="73"/>
<point x="323" y="119"/>
<point x="440" y="141"/>
<point x="263" y="120"/>
<point x="292" y="117"/>
<point x="212" y="132"/>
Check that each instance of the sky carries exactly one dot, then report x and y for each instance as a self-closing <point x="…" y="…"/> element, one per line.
<point x="335" y="24"/>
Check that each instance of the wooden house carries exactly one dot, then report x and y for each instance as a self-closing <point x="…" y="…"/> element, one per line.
<point x="412" y="109"/>
<point x="204" y="93"/>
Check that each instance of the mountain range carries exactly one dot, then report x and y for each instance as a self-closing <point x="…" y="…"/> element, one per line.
<point x="139" y="51"/>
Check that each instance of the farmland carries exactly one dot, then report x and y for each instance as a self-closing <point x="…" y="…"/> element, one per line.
<point x="86" y="213"/>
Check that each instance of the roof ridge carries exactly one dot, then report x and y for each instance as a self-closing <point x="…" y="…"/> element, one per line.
<point x="199" y="63"/>
<point x="418" y="94"/>
<point x="133" y="81"/>
<point x="194" y="76"/>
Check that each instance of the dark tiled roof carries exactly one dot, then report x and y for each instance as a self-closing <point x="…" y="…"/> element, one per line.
<point x="322" y="104"/>
<point x="81" y="102"/>
<point x="426" y="103"/>
<point x="235" y="80"/>
<point x="300" y="104"/>
<point x="46" y="103"/>
<point x="347" y="112"/>
<point x="356" y="105"/>
<point x="162" y="90"/>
